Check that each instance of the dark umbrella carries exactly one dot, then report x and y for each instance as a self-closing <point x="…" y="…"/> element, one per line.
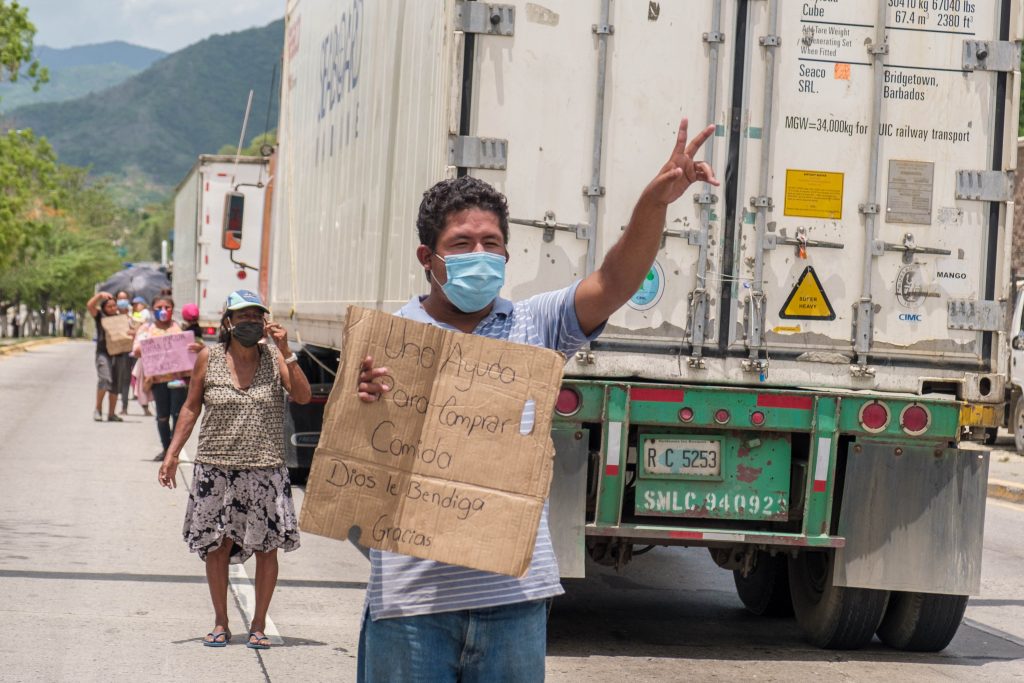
<point x="144" y="281"/>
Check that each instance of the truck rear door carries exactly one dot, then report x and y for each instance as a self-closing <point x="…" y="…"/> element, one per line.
<point x="601" y="88"/>
<point x="871" y="183"/>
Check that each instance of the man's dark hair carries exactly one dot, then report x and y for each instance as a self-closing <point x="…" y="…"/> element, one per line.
<point x="454" y="195"/>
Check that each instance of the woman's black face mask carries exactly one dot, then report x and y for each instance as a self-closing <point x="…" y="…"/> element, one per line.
<point x="248" y="333"/>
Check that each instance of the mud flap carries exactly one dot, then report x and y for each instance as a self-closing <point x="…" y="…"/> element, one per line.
<point x="567" y="501"/>
<point x="913" y="519"/>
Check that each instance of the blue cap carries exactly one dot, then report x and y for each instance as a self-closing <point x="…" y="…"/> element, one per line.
<point x="138" y="300"/>
<point x="243" y="298"/>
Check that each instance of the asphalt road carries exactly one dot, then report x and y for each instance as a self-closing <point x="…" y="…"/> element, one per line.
<point x="97" y="584"/>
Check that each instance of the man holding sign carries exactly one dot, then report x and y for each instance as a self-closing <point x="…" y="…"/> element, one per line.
<point x="432" y="621"/>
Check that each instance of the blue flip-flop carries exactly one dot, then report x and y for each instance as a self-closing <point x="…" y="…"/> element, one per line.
<point x="258" y="635"/>
<point x="215" y="642"/>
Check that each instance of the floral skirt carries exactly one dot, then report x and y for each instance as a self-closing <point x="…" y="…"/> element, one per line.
<point x="252" y="507"/>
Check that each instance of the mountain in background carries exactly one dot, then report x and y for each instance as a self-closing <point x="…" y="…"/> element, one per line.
<point x="78" y="71"/>
<point x="150" y="128"/>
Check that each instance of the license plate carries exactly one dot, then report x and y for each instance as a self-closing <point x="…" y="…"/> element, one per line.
<point x="684" y="458"/>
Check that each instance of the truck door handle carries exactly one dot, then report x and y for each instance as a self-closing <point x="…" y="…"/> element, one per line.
<point x="909" y="248"/>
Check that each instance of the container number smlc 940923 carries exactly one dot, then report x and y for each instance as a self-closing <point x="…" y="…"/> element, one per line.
<point x="739" y="504"/>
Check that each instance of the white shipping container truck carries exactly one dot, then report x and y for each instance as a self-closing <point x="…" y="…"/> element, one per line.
<point x="204" y="271"/>
<point x="824" y="327"/>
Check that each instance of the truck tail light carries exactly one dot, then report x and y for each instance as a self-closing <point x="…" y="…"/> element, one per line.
<point x="568" y="402"/>
<point x="209" y="331"/>
<point x="722" y="416"/>
<point x="915" y="419"/>
<point x="757" y="418"/>
<point x="686" y="414"/>
<point x="874" y="417"/>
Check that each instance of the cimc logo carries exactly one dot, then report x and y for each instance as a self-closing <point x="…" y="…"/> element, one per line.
<point x="911" y="317"/>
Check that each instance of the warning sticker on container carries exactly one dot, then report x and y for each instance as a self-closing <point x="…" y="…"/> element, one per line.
<point x="814" y="194"/>
<point x="808" y="300"/>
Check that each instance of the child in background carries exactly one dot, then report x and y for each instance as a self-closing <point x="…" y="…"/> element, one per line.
<point x="140" y="311"/>
<point x="190" y="314"/>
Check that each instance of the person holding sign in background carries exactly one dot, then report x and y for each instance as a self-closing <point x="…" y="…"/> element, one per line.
<point x="241" y="499"/>
<point x="168" y="390"/>
<point x="109" y="367"/>
<point x="431" y="621"/>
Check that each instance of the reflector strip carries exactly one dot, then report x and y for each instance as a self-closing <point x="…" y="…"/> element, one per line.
<point x="707" y="536"/>
<point x="694" y="535"/>
<point x="613" y="449"/>
<point x="821" y="463"/>
<point x="659" y="395"/>
<point x="777" y="401"/>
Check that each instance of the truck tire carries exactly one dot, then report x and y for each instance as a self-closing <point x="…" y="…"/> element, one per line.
<point x="921" y="622"/>
<point x="832" y="617"/>
<point x="1018" y="424"/>
<point x="765" y="591"/>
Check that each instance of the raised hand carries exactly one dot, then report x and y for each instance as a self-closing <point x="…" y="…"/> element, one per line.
<point x="681" y="171"/>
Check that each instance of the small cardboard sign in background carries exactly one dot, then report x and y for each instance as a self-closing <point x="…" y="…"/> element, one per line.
<point x="117" y="330"/>
<point x="167" y="354"/>
<point x="454" y="463"/>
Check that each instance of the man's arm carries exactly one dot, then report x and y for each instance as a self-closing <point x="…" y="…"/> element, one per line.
<point x="609" y="287"/>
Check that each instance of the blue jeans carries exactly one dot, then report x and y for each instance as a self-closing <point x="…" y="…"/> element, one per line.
<point x="492" y="645"/>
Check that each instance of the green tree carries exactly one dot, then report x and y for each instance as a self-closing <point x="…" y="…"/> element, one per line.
<point x="253" y="150"/>
<point x="28" y="175"/>
<point x="16" y="35"/>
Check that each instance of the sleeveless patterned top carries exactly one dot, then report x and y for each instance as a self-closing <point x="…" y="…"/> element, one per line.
<point x="242" y="429"/>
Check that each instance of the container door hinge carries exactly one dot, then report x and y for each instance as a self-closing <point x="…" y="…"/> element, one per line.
<point x="985" y="186"/>
<point x="981" y="316"/>
<point x="713" y="37"/>
<point x="471" y="152"/>
<point x="480" y="17"/>
<point x="991" y="55"/>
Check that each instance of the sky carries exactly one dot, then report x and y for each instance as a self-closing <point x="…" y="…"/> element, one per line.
<point x="167" y="25"/>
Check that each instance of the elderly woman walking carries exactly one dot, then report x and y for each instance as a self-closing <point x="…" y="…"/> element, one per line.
<point x="241" y="500"/>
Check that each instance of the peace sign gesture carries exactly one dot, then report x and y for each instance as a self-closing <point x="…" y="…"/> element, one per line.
<point x="680" y="171"/>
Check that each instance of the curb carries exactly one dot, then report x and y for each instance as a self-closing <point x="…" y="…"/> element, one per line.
<point x="25" y="346"/>
<point x="1006" y="490"/>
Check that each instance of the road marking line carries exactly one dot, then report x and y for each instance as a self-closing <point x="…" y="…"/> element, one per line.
<point x="245" y="593"/>
<point x="241" y="585"/>
<point x="1008" y="506"/>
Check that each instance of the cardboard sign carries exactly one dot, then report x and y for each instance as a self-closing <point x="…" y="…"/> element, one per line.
<point x="117" y="330"/>
<point x="167" y="354"/>
<point x="454" y="462"/>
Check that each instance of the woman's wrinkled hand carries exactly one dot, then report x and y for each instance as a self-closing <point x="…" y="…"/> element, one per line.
<point x="168" y="472"/>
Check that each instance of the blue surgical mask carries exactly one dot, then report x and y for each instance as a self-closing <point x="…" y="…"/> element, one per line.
<point x="474" y="279"/>
<point x="124" y="304"/>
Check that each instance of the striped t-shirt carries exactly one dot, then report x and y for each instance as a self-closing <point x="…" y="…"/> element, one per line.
<point x="403" y="586"/>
